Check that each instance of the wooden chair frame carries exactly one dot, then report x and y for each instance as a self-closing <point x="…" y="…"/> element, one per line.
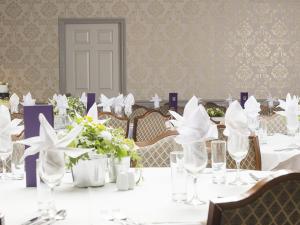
<point x="135" y="122"/>
<point x="158" y="138"/>
<point x="216" y="207"/>
<point x="124" y="118"/>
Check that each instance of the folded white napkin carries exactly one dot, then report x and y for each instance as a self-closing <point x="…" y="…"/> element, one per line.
<point x="14" y="102"/>
<point x="106" y="103"/>
<point x="290" y="106"/>
<point x="48" y="140"/>
<point x="83" y="99"/>
<point x="62" y="104"/>
<point x="252" y="107"/>
<point x="195" y="124"/>
<point x="8" y="128"/>
<point x="236" y="120"/>
<point x="156" y="100"/>
<point x="93" y="113"/>
<point x="128" y="103"/>
<point x="28" y="100"/>
<point x="119" y="104"/>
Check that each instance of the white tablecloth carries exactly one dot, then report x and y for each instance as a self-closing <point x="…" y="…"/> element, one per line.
<point x="270" y="154"/>
<point x="148" y="202"/>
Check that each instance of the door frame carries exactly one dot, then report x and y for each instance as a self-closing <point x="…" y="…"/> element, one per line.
<point x="62" y="22"/>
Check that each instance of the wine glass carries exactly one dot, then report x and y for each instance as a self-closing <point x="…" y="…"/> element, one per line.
<point x="238" y="146"/>
<point x="253" y="123"/>
<point x="195" y="160"/>
<point x="51" y="171"/>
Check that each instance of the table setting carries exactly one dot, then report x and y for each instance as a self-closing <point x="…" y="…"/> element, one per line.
<point x="83" y="172"/>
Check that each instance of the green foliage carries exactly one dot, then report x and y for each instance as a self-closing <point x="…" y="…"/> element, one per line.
<point x="215" y="112"/>
<point x="75" y="106"/>
<point x="103" y="139"/>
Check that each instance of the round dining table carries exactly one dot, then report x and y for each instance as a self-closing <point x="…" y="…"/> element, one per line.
<point x="149" y="203"/>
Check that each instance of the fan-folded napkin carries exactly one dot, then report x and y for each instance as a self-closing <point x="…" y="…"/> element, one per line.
<point x="128" y="103"/>
<point x="195" y="124"/>
<point x="119" y="104"/>
<point x="236" y="120"/>
<point x="14" y="102"/>
<point x="28" y="100"/>
<point x="83" y="99"/>
<point x="8" y="128"/>
<point x="106" y="103"/>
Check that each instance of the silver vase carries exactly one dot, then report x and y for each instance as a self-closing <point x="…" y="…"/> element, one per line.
<point x="90" y="173"/>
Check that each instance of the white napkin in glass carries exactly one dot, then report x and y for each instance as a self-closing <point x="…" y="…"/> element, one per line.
<point x="290" y="106"/>
<point x="252" y="107"/>
<point x="236" y="120"/>
<point x="93" y="113"/>
<point x="48" y="140"/>
<point x="156" y="100"/>
<point x="83" y="99"/>
<point x="8" y="128"/>
<point x="119" y="104"/>
<point x="195" y="124"/>
<point x="14" y="102"/>
<point x="128" y="103"/>
<point x="106" y="103"/>
<point x="62" y="104"/>
<point x="28" y="100"/>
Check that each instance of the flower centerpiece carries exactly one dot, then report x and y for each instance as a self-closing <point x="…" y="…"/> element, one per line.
<point x="108" y="144"/>
<point x="75" y="106"/>
<point x="215" y="112"/>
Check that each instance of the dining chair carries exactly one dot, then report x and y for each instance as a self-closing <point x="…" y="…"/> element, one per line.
<point x="252" y="161"/>
<point x="156" y="153"/>
<point x="115" y="121"/>
<point x="274" y="200"/>
<point x="276" y="124"/>
<point x="164" y="109"/>
<point x="137" y="110"/>
<point x="17" y="116"/>
<point x="150" y="125"/>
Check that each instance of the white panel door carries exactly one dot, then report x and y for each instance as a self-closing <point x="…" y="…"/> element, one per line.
<point x="92" y="59"/>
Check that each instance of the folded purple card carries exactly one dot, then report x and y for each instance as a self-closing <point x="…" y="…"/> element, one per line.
<point x="91" y="98"/>
<point x="32" y="129"/>
<point x="244" y="98"/>
<point x="173" y="101"/>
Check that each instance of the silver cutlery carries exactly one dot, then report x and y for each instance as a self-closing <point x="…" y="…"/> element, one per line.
<point x="41" y="220"/>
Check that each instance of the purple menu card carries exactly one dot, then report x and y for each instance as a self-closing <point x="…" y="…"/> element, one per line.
<point x="91" y="98"/>
<point x="173" y="101"/>
<point x="244" y="98"/>
<point x="32" y="129"/>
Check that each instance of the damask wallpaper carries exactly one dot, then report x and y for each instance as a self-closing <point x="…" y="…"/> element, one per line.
<point x="209" y="48"/>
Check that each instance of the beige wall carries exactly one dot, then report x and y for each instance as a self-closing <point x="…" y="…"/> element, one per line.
<point x="205" y="47"/>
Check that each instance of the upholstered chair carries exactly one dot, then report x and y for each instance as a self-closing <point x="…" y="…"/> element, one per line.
<point x="115" y="121"/>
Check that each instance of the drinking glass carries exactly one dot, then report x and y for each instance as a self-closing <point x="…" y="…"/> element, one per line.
<point x="253" y="123"/>
<point x="218" y="161"/>
<point x="238" y="146"/>
<point x="195" y="160"/>
<point x="292" y="125"/>
<point x="4" y="155"/>
<point x="178" y="176"/>
<point x="51" y="171"/>
<point x="17" y="162"/>
<point x="263" y="130"/>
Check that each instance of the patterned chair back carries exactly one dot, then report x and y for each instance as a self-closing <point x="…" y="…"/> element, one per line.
<point x="253" y="159"/>
<point x="149" y="126"/>
<point x="276" y="124"/>
<point x="156" y="153"/>
<point x="137" y="110"/>
<point x="115" y="121"/>
<point x="274" y="200"/>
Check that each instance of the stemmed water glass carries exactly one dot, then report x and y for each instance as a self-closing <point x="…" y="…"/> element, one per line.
<point x="51" y="170"/>
<point x="238" y="146"/>
<point x="195" y="160"/>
